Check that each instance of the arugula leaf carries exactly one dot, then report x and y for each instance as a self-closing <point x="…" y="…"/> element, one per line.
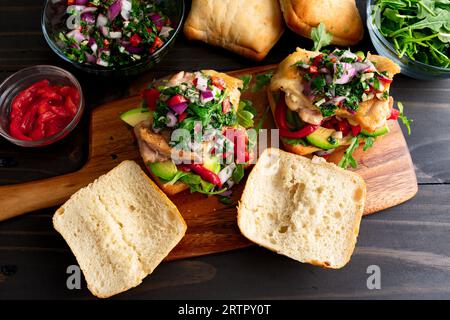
<point x="321" y="37"/>
<point x="249" y="107"/>
<point x="238" y="173"/>
<point x="262" y="120"/>
<point x="246" y="79"/>
<point x="434" y="23"/>
<point x="405" y="120"/>
<point x="262" y="80"/>
<point x="348" y="159"/>
<point x="178" y="176"/>
<point x="197" y="188"/>
<point x="245" y="114"/>
<point x="368" y="143"/>
<point x="226" y="201"/>
<point x="419" y="29"/>
<point x="191" y="179"/>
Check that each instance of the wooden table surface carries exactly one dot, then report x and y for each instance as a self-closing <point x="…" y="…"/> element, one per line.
<point x="410" y="243"/>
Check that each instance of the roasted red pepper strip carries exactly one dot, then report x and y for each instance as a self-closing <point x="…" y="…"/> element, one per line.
<point x="182" y="116"/>
<point x="385" y="80"/>
<point x="317" y="60"/>
<point x="206" y="174"/>
<point x="303" y="132"/>
<point x="280" y="114"/>
<point x="394" y="114"/>
<point x="344" y="127"/>
<point x="355" y="130"/>
<point x="151" y="96"/>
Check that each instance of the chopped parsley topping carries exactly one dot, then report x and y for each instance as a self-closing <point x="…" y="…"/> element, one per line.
<point x="342" y="79"/>
<point x="113" y="33"/>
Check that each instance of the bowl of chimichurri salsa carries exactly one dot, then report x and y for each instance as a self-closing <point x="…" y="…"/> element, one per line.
<point x="112" y="37"/>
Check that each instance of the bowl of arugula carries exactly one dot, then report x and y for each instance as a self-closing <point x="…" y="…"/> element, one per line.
<point x="414" y="33"/>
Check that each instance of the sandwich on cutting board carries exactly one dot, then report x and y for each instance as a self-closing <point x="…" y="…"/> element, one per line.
<point x="204" y="105"/>
<point x="322" y="101"/>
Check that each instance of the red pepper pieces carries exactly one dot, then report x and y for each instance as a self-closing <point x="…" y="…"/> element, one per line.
<point x="394" y="114"/>
<point x="206" y="174"/>
<point x="280" y="118"/>
<point x="158" y="43"/>
<point x="280" y="113"/>
<point x="42" y="110"/>
<point x="355" y="130"/>
<point x="150" y="97"/>
<point x="344" y="127"/>
<point x="182" y="116"/>
<point x="135" y="40"/>
<point x="303" y="132"/>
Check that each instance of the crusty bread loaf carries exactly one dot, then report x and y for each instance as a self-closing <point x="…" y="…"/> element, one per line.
<point x="341" y="18"/>
<point x="308" y="210"/>
<point x="120" y="227"/>
<point x="249" y="28"/>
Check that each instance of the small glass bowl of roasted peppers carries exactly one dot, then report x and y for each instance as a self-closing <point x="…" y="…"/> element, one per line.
<point x="39" y="106"/>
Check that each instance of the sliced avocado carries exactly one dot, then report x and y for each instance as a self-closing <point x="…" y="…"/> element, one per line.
<point x="360" y="54"/>
<point x="323" y="139"/>
<point x="379" y="132"/>
<point x="211" y="163"/>
<point x="165" y="170"/>
<point x="134" y="116"/>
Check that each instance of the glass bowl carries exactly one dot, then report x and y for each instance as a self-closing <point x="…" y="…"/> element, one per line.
<point x="411" y="68"/>
<point x="53" y="21"/>
<point x="22" y="80"/>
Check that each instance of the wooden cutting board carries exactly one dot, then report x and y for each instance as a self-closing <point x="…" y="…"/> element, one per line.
<point x="387" y="169"/>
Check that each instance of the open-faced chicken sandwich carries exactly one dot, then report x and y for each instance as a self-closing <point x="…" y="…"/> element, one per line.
<point x="189" y="135"/>
<point x="322" y="101"/>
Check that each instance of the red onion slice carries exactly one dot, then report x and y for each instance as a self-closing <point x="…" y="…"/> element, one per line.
<point x="88" y="17"/>
<point x="126" y="8"/>
<point x="90" y="58"/>
<point x="226" y="194"/>
<point x="89" y="9"/>
<point x="202" y="83"/>
<point x="179" y="108"/>
<point x="76" y="35"/>
<point x="360" y="66"/>
<point x="114" y="10"/>
<point x="348" y="73"/>
<point x="102" y="20"/>
<point x="206" y="96"/>
<point x="157" y="19"/>
<point x="104" y="30"/>
<point x="133" y="50"/>
<point x="171" y="120"/>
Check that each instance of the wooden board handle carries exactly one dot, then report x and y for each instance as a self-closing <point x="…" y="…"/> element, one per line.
<point x="39" y="194"/>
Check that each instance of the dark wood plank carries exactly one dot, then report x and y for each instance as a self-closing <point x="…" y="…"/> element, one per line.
<point x="409" y="243"/>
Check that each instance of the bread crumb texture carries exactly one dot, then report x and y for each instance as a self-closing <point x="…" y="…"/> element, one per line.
<point x="120" y="227"/>
<point x="307" y="210"/>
